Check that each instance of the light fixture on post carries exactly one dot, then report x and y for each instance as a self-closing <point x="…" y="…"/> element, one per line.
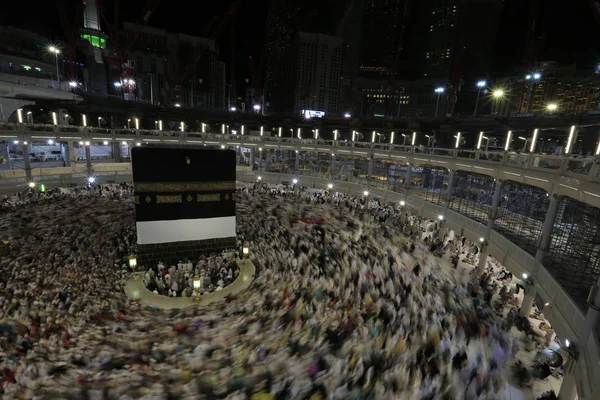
<point x="259" y="178"/>
<point x="525" y="145"/>
<point x="160" y="124"/>
<point x="330" y="186"/>
<point x="20" y="115"/>
<point x="295" y="181"/>
<point x="91" y="180"/>
<point x="335" y="134"/>
<point x="56" y="52"/>
<point x="279" y="131"/>
<point x="347" y="115"/>
<point x="438" y="91"/>
<point x="414" y="138"/>
<point x="137" y="123"/>
<point x="480" y="86"/>
<point x="132" y="262"/>
<point x="31" y="184"/>
<point x="402" y="203"/>
<point x="182" y="126"/>
<point x="392" y="138"/>
<point x="87" y="143"/>
<point x="246" y="250"/>
<point x="373" y="137"/>
<point x="533" y="140"/>
<point x="261" y="130"/>
<point x="54" y="118"/>
<point x="457" y="144"/>
<point x="552" y="107"/>
<point x="203" y="127"/>
<point x="441" y="217"/>
<point x="570" y="140"/>
<point x="479" y="140"/>
<point x="197" y="283"/>
<point x="366" y="193"/>
<point x="508" y="139"/>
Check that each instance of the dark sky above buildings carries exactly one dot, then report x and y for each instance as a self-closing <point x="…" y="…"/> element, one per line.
<point x="570" y="28"/>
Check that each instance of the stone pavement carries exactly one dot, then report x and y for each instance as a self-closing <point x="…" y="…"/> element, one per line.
<point x="135" y="289"/>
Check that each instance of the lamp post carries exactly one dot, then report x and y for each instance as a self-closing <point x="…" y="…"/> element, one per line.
<point x="535" y="78"/>
<point x="56" y="51"/>
<point x="480" y="85"/>
<point x="132" y="262"/>
<point x="438" y="91"/>
<point x="246" y="250"/>
<point x="197" y="282"/>
<point x="497" y="94"/>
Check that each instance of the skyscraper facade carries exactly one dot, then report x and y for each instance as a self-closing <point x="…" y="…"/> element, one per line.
<point x="316" y="74"/>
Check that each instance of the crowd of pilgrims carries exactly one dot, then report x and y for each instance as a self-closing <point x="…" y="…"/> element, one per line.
<point x="347" y="303"/>
<point x="215" y="272"/>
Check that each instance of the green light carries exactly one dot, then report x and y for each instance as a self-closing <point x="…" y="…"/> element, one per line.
<point x="26" y="67"/>
<point x="42" y="188"/>
<point x="95" y="41"/>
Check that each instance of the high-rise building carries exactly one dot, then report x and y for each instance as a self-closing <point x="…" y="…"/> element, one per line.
<point x="382" y="27"/>
<point x="316" y="73"/>
<point x="175" y="69"/>
<point x="285" y="19"/>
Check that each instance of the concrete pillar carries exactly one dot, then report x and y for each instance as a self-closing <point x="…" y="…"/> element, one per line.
<point x="5" y="153"/>
<point x="546" y="236"/>
<point x="67" y="153"/>
<point x="450" y="187"/>
<point x="331" y="167"/>
<point x="370" y="167"/>
<point x="27" y="163"/>
<point x="116" y="151"/>
<point x="592" y="317"/>
<point x="251" y="158"/>
<point x="530" y="292"/>
<point x="483" y="255"/>
<point x="495" y="202"/>
<point x="88" y="160"/>
<point x="297" y="163"/>
<point x="408" y="174"/>
<point x="267" y="160"/>
<point x="568" y="388"/>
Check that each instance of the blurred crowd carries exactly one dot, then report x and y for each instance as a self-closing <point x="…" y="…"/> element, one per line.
<point x="348" y="303"/>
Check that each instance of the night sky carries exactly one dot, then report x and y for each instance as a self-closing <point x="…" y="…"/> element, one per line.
<point x="570" y="28"/>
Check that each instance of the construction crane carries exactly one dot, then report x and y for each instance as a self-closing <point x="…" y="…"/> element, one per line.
<point x="119" y="59"/>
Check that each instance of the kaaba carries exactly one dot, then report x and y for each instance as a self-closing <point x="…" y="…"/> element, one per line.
<point x="184" y="202"/>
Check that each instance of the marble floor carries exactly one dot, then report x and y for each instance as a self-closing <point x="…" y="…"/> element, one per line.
<point x="135" y="289"/>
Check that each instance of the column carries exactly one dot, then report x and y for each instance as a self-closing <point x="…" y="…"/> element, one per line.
<point x="370" y="167"/>
<point x="450" y="187"/>
<point x="408" y="173"/>
<point x="116" y="151"/>
<point x="67" y="153"/>
<point x="251" y="159"/>
<point x="592" y="317"/>
<point x="490" y="225"/>
<point x="546" y="235"/>
<point x="530" y="292"/>
<point x="568" y="388"/>
<point x="331" y="167"/>
<point x="27" y="163"/>
<point x="88" y="160"/>
<point x="297" y="162"/>
<point x="267" y="160"/>
<point x="5" y="153"/>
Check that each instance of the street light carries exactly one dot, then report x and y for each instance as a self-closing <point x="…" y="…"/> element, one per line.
<point x="256" y="107"/>
<point x="366" y="193"/>
<point x="480" y="85"/>
<point x="402" y="203"/>
<point x="56" y="51"/>
<point x="439" y="91"/>
<point x="498" y="93"/>
<point x="31" y="184"/>
<point x="295" y="181"/>
<point x="132" y="262"/>
<point x="233" y="109"/>
<point x="537" y="76"/>
<point x="552" y="107"/>
<point x="330" y="186"/>
<point x="347" y="115"/>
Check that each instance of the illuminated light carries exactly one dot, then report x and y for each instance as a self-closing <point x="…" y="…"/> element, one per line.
<point x="87" y="143"/>
<point x="222" y="146"/>
<point x="25" y="143"/>
<point x="222" y="128"/>
<point x="182" y="126"/>
<point x="31" y="184"/>
<point x="479" y="141"/>
<point x="567" y="342"/>
<point x="42" y="188"/>
<point x="259" y="178"/>
<point x="414" y="138"/>
<point x="366" y="193"/>
<point x="256" y="107"/>
<point x="299" y="133"/>
<point x="81" y="143"/>
<point x="138" y="144"/>
<point x="53" y="49"/>
<point x="552" y="107"/>
<point x="279" y="132"/>
<point x="373" y="137"/>
<point x="353" y="133"/>
<point x="84" y="119"/>
<point x="160" y="124"/>
<point x="204" y="128"/>
<point x="177" y="105"/>
<point x="330" y="186"/>
<point x="262" y="129"/>
<point x="105" y="143"/>
<point x="54" y="118"/>
<point x="533" y="141"/>
<point x="525" y="276"/>
<point x="137" y="123"/>
<point x="498" y="93"/>
<point x="570" y="140"/>
<point x="117" y="84"/>
<point x="508" y="138"/>
<point x="598" y="148"/>
<point x="50" y="141"/>
<point x="347" y="115"/>
<point x="440" y="90"/>
<point x="481" y="84"/>
<point x="242" y="129"/>
<point x="233" y="109"/>
<point x="402" y="203"/>
<point x="16" y="142"/>
<point x="91" y="179"/>
<point x="124" y="143"/>
<point x="481" y="239"/>
<point x="73" y="84"/>
<point x="528" y="77"/>
<point x="537" y="76"/>
<point x="20" y="115"/>
<point x="546" y="304"/>
<point x="316" y="133"/>
<point x="457" y="140"/>
<point x="260" y="149"/>
<point x="295" y="181"/>
<point x="441" y="217"/>
<point x="392" y="138"/>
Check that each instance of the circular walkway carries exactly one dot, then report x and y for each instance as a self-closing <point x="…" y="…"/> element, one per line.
<point x="135" y="289"/>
